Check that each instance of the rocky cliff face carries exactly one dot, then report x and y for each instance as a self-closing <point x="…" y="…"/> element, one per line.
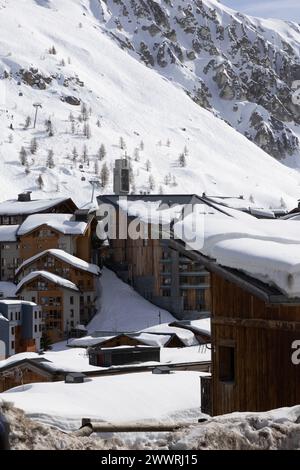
<point x="240" y="68"/>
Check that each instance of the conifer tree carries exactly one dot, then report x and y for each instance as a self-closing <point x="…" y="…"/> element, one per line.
<point x="50" y="159"/>
<point x="182" y="160"/>
<point x="40" y="182"/>
<point x="102" y="152"/>
<point x="104" y="175"/>
<point x="151" y="183"/>
<point x="74" y="154"/>
<point x="23" y="156"/>
<point x="33" y="146"/>
<point x="148" y="165"/>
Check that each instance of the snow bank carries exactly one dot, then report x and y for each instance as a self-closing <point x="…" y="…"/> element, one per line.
<point x="274" y="430"/>
<point x="121" y="308"/>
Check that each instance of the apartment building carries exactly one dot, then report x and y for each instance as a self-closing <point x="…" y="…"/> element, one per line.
<point x="21" y="325"/>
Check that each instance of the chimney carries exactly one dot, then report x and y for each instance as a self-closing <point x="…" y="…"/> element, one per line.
<point x="24" y="197"/>
<point x="121" y="177"/>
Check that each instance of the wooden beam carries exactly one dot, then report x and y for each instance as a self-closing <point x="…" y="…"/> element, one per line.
<point x="257" y="323"/>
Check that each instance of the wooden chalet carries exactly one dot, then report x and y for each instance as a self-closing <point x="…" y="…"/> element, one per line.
<point x="62" y="231"/>
<point x="253" y="327"/>
<point x="15" y="211"/>
<point x="64" y="285"/>
<point x="27" y="371"/>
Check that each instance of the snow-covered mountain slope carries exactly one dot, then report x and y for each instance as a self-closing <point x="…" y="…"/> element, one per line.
<point x="57" y="52"/>
<point x="242" y="68"/>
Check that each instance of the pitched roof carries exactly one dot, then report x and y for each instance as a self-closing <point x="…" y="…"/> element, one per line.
<point x="8" y="233"/>
<point x="63" y="223"/>
<point x="50" y="277"/>
<point x="15" y="207"/>
<point x="7" y="289"/>
<point x="67" y="258"/>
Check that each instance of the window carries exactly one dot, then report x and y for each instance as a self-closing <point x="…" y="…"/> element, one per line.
<point x="33" y="299"/>
<point x="227" y="363"/>
<point x="12" y="330"/>
<point x="12" y="345"/>
<point x="50" y="262"/>
<point x="72" y="313"/>
<point x="44" y="300"/>
<point x="40" y="328"/>
<point x="40" y="314"/>
<point x="88" y="299"/>
<point x="71" y="300"/>
<point x="72" y="324"/>
<point x="166" y="293"/>
<point x="41" y="285"/>
<point x="35" y="328"/>
<point x="35" y="315"/>
<point x="200" y="299"/>
<point x="166" y="281"/>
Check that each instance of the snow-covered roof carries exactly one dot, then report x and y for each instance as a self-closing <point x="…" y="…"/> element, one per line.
<point x="147" y="339"/>
<point x="154" y="212"/>
<point x="67" y="258"/>
<point x="151" y="397"/>
<point x="17" y="302"/>
<point x="187" y="337"/>
<point x="7" y="289"/>
<point x="15" y="207"/>
<point x="63" y="223"/>
<point x="202" y="325"/>
<point x="267" y="250"/>
<point x="50" y="277"/>
<point x="8" y="233"/>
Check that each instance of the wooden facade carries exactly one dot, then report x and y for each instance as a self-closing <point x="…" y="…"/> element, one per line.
<point x="83" y="279"/>
<point x="26" y="372"/>
<point x="83" y="303"/>
<point x="45" y="238"/>
<point x="162" y="273"/>
<point x="252" y="340"/>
